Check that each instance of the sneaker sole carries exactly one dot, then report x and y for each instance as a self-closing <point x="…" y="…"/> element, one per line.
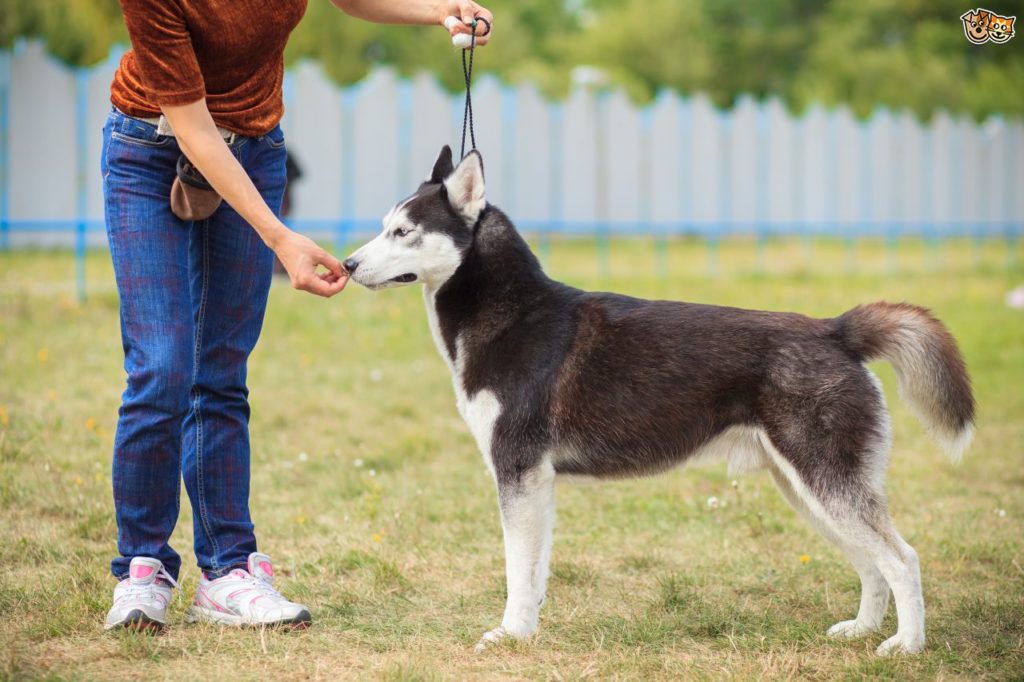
<point x="138" y="621"/>
<point x="198" y="614"/>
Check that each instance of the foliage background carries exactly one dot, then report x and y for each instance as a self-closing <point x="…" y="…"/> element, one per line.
<point x="861" y="53"/>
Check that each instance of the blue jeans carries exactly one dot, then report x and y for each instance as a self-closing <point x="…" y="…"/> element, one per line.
<point x="193" y="296"/>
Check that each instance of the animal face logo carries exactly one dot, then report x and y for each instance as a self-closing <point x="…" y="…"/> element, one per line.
<point x="982" y="26"/>
<point x="976" y="26"/>
<point x="1000" y="29"/>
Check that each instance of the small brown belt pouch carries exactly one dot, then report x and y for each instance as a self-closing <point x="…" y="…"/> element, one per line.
<point x="192" y="197"/>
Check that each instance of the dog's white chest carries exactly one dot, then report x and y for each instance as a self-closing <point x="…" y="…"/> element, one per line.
<point x="480" y="414"/>
<point x="481" y="411"/>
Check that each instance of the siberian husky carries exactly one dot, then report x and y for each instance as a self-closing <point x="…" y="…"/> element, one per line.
<point x="556" y="381"/>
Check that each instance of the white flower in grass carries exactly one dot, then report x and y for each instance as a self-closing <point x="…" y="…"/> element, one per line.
<point x="358" y="463"/>
<point x="303" y="457"/>
<point x="1001" y="513"/>
<point x="712" y="502"/>
<point x="1015" y="298"/>
<point x="376" y="375"/>
<point x="372" y="472"/>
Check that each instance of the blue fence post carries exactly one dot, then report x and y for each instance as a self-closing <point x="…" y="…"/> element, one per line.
<point x="832" y="188"/>
<point x="956" y="187"/>
<point x="684" y="121"/>
<point x="762" y="185"/>
<point x="1010" y="182"/>
<point x="82" y="156"/>
<point x="985" y="188"/>
<point x="349" y="95"/>
<point x="404" y="160"/>
<point x="866" y="189"/>
<point x="796" y="186"/>
<point x="645" y="172"/>
<point x="556" y="202"/>
<point x="724" y="191"/>
<point x="981" y="150"/>
<point x="509" y="144"/>
<point x="928" y="231"/>
<point x="898" y="146"/>
<point x="5" y="149"/>
<point x="601" y="181"/>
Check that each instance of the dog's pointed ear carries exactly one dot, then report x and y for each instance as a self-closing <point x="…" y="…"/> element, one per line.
<point x="465" y="187"/>
<point x="443" y="167"/>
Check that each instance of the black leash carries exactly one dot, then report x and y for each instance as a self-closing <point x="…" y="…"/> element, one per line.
<point x="467" y="73"/>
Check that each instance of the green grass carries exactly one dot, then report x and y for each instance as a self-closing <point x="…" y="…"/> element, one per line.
<point x="401" y="557"/>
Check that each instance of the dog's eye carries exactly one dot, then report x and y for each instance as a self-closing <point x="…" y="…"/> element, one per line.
<point x="401" y="232"/>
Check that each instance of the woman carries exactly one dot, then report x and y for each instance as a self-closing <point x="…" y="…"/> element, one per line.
<point x="204" y="79"/>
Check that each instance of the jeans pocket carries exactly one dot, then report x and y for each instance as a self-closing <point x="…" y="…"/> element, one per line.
<point x="133" y="131"/>
<point x="128" y="139"/>
<point x="275" y="138"/>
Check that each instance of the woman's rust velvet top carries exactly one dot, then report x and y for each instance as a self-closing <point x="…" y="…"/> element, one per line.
<point x="229" y="51"/>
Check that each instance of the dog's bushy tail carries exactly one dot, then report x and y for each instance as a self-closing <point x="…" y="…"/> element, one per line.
<point x="930" y="371"/>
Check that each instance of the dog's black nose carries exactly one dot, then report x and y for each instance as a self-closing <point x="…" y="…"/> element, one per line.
<point x="350" y="265"/>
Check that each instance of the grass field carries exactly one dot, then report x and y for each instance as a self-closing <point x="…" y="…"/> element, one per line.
<point x="369" y="494"/>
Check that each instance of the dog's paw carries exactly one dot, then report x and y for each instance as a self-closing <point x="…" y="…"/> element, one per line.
<point x="850" y="629"/>
<point x="900" y="644"/>
<point x="490" y="638"/>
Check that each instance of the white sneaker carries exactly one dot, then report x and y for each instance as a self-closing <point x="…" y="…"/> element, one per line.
<point x="141" y="599"/>
<point x="246" y="598"/>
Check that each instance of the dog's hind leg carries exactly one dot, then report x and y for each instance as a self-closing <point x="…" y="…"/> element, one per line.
<point x="856" y="518"/>
<point x="898" y="562"/>
<point x="874" y="594"/>
<point x="527" y="520"/>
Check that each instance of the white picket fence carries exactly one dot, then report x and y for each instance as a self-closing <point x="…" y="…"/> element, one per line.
<point x="594" y="163"/>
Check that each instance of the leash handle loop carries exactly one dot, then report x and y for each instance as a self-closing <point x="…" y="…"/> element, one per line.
<point x="467" y="73"/>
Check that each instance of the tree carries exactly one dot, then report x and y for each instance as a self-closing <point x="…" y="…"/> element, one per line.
<point x="78" y="32"/>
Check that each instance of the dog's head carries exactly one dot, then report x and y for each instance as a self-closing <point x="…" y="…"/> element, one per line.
<point x="976" y="26"/>
<point x="425" y="236"/>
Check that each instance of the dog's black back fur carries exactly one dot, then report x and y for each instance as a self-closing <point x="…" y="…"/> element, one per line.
<point x="610" y="386"/>
<point x="630" y="386"/>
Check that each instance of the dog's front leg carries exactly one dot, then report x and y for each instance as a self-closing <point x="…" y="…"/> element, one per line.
<point x="527" y="519"/>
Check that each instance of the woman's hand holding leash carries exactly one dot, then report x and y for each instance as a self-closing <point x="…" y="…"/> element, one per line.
<point x="462" y="18"/>
<point x="425" y="13"/>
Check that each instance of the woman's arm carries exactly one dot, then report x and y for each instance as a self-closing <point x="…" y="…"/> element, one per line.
<point x="425" y="12"/>
<point x="198" y="138"/>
